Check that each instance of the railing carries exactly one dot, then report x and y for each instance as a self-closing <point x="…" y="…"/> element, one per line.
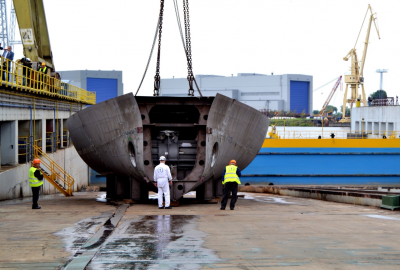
<point x="23" y="149"/>
<point x="54" y="173"/>
<point x="327" y="134"/>
<point x="66" y="139"/>
<point x="50" y="142"/>
<point x="38" y="142"/>
<point x="22" y="78"/>
<point x="389" y="101"/>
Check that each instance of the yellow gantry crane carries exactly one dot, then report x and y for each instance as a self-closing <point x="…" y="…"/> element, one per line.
<point x="356" y="79"/>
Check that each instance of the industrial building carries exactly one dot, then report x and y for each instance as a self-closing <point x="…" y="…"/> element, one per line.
<point x="286" y="92"/>
<point x="33" y="125"/>
<point x="106" y="83"/>
<point x="376" y="121"/>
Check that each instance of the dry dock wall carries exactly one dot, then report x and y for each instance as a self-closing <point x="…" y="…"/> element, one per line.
<point x="14" y="182"/>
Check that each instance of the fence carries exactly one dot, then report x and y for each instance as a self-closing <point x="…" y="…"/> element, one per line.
<point x="383" y="102"/>
<point x="24" y="149"/>
<point x="23" y="78"/>
<point x="50" y="142"/>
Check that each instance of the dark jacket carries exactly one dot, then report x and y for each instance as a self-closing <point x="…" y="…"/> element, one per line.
<point x="26" y="71"/>
<point x="38" y="175"/>
<point x="10" y="55"/>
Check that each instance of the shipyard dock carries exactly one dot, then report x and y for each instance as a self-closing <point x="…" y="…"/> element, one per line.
<point x="263" y="232"/>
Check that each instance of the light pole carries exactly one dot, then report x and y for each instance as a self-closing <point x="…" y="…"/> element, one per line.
<point x="381" y="71"/>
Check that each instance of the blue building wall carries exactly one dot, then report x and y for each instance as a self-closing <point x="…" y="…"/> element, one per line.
<point x="105" y="88"/>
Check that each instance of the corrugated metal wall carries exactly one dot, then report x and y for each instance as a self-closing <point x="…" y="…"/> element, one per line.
<point x="299" y="96"/>
<point x="104" y="88"/>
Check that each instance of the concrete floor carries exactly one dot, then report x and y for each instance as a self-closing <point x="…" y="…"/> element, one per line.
<point x="263" y="232"/>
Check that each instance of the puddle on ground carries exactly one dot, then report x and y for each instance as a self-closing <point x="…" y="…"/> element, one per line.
<point x="266" y="199"/>
<point x="155" y="241"/>
<point x="75" y="237"/>
<point x="102" y="198"/>
<point x="382" y="217"/>
<point x="155" y="196"/>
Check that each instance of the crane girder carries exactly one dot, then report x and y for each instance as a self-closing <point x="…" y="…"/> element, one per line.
<point x="33" y="30"/>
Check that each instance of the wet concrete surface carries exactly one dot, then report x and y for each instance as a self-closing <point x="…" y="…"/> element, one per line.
<point x="153" y="242"/>
<point x="263" y="232"/>
<point x="31" y="239"/>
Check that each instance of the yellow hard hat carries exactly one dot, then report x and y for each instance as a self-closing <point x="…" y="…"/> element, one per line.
<point x="43" y="64"/>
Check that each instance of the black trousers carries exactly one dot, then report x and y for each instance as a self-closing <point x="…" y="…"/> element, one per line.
<point x="5" y="76"/>
<point x="228" y="187"/>
<point x="35" y="196"/>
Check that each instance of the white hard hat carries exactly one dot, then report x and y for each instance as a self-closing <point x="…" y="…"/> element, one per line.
<point x="162" y="158"/>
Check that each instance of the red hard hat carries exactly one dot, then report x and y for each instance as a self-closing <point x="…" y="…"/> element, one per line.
<point x="232" y="161"/>
<point x="36" y="161"/>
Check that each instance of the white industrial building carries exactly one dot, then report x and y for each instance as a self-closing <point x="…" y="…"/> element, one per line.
<point x="376" y="120"/>
<point x="263" y="92"/>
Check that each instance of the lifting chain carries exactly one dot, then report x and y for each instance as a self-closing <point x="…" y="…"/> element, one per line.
<point x="157" y="78"/>
<point x="190" y="76"/>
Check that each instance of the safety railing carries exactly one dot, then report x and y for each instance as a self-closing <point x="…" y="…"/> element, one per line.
<point x="389" y="101"/>
<point x="66" y="139"/>
<point x="23" y="149"/>
<point x="50" y="142"/>
<point x="54" y="173"/>
<point x="23" y="78"/>
<point x="38" y="142"/>
<point x="330" y="134"/>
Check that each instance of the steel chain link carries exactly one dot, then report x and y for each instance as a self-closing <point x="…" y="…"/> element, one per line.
<point x="190" y="76"/>
<point x="157" y="78"/>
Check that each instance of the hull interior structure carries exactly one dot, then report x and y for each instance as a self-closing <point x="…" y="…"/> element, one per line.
<point x="123" y="138"/>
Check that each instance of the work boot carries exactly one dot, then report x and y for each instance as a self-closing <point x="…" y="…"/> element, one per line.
<point x="222" y="208"/>
<point x="160" y="207"/>
<point x="169" y="207"/>
<point x="36" y="207"/>
<point x="232" y="208"/>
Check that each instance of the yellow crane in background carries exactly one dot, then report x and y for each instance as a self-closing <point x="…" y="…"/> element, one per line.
<point x="329" y="97"/>
<point x="357" y="78"/>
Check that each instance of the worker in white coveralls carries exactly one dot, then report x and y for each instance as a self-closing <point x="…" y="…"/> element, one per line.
<point x="162" y="177"/>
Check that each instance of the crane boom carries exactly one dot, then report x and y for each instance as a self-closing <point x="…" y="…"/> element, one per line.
<point x="33" y="29"/>
<point x="372" y="18"/>
<point x="356" y="79"/>
<point x="330" y="96"/>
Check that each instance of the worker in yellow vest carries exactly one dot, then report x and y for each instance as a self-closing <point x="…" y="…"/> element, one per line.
<point x="35" y="181"/>
<point x="42" y="73"/>
<point x="43" y="68"/>
<point x="231" y="182"/>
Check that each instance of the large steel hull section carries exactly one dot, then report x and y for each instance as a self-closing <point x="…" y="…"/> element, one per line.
<point x="115" y="138"/>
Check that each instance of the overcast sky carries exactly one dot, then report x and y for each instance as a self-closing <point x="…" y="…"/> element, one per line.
<point x="228" y="37"/>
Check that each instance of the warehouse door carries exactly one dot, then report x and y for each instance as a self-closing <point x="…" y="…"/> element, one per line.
<point x="104" y="88"/>
<point x="299" y="96"/>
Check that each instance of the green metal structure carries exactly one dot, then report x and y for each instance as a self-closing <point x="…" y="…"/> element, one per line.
<point x="391" y="202"/>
